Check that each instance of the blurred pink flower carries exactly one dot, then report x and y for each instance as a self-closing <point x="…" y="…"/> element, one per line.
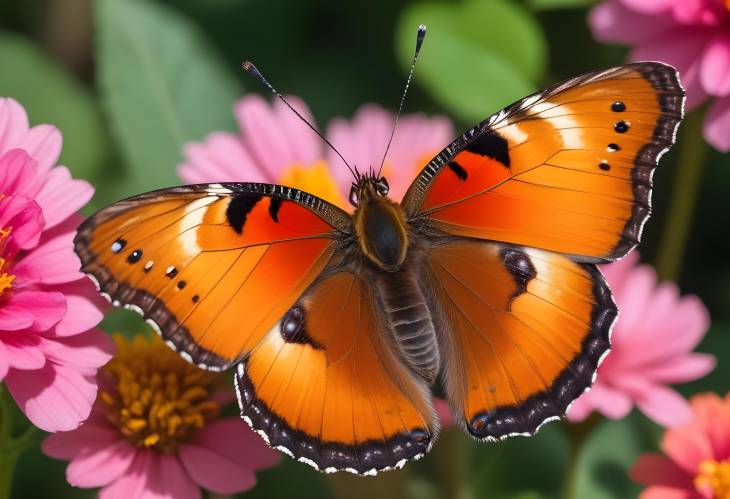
<point x="155" y="431"/>
<point x="697" y="461"/>
<point x="275" y="146"/>
<point x="49" y="351"/>
<point x="652" y="345"/>
<point x="692" y="35"/>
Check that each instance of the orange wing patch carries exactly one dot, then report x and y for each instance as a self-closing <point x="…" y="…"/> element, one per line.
<point x="523" y="333"/>
<point x="325" y="387"/>
<point x="568" y="170"/>
<point x="211" y="267"/>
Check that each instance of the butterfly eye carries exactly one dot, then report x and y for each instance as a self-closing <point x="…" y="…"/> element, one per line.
<point x="354" y="199"/>
<point x="383" y="187"/>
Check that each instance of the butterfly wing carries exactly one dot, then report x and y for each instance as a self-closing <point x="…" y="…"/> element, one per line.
<point x="568" y="169"/>
<point x="522" y="332"/>
<point x="325" y="387"/>
<point x="212" y="267"/>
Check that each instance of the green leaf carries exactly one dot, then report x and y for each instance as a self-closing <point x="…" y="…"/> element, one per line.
<point x="478" y="56"/>
<point x="162" y="86"/>
<point x="51" y="95"/>
<point x="559" y="4"/>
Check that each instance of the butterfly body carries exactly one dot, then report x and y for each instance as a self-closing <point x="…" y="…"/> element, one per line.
<point x="483" y="276"/>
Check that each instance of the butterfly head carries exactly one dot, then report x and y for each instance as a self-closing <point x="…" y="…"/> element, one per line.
<point x="368" y="187"/>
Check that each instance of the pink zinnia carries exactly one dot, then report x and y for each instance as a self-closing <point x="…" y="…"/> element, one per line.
<point x="697" y="461"/>
<point x="692" y="35"/>
<point x="652" y="345"/>
<point x="155" y="431"/>
<point x="49" y="351"/>
<point x="274" y="146"/>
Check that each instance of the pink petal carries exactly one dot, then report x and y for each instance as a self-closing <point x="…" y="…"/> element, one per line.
<point x="19" y="174"/>
<point x="682" y="48"/>
<point x="687" y="446"/>
<point x="306" y="145"/>
<point x="632" y="299"/>
<point x="655" y="469"/>
<point x="713" y="416"/>
<point x="687" y="368"/>
<point x="444" y="412"/>
<point x="65" y="445"/>
<point x="43" y="143"/>
<point x="715" y="69"/>
<point x="228" y="436"/>
<point x="660" y="403"/>
<point x="25" y="217"/>
<point x="220" y="158"/>
<point x="43" y="309"/>
<point x="23" y="352"/>
<point x="175" y="481"/>
<point x="717" y="125"/>
<point x="62" y="195"/>
<point x="52" y="262"/>
<point x="101" y="465"/>
<point x="613" y="22"/>
<point x="580" y="409"/>
<point x="263" y="134"/>
<point x="84" y="308"/>
<point x="13" y="124"/>
<point x="4" y="366"/>
<point x="89" y="350"/>
<point x="215" y="472"/>
<point x="133" y="482"/>
<point x="652" y="7"/>
<point x="55" y="398"/>
<point x="610" y="402"/>
<point x="667" y="493"/>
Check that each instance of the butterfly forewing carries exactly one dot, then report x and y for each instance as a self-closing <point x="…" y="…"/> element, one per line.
<point x="211" y="266"/>
<point x="568" y="169"/>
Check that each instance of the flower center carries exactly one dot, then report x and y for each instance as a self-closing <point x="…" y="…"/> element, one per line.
<point x="315" y="179"/>
<point x="713" y="479"/>
<point x="6" y="279"/>
<point x="155" y="398"/>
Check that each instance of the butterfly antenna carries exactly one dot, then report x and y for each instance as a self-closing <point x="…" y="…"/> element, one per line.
<point x="253" y="71"/>
<point x="419" y="41"/>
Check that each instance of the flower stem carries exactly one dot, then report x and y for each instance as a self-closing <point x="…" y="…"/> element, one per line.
<point x="11" y="448"/>
<point x="451" y="460"/>
<point x="687" y="180"/>
<point x="577" y="434"/>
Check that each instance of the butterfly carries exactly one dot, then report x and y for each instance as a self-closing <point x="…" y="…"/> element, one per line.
<point x="483" y="276"/>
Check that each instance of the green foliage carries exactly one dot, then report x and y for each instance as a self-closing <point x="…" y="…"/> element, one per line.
<point x="161" y="84"/>
<point x="478" y="56"/>
<point x="559" y="4"/>
<point x="51" y="95"/>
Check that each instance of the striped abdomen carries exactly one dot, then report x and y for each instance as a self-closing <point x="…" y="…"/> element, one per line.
<point x="410" y="322"/>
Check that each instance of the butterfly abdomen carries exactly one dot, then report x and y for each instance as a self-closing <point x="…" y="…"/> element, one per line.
<point x="411" y="323"/>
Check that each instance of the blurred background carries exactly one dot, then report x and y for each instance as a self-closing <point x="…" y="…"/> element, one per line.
<point x="128" y="82"/>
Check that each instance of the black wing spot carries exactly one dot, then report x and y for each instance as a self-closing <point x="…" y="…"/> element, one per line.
<point x="171" y="271"/>
<point x="239" y="208"/>
<point x="274" y="208"/>
<point x="621" y="127"/>
<point x="134" y="256"/>
<point x="518" y="264"/>
<point x="618" y="107"/>
<point x="458" y="170"/>
<point x="492" y="145"/>
<point x="181" y="284"/>
<point x="293" y="328"/>
<point x="195" y="298"/>
<point x="118" y="245"/>
<point x="612" y="147"/>
<point x="603" y="165"/>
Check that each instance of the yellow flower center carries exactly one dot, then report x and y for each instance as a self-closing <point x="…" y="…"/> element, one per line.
<point x="155" y="398"/>
<point x="714" y="478"/>
<point x="6" y="279"/>
<point x="315" y="179"/>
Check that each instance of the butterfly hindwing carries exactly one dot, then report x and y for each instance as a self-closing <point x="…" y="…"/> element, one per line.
<point x="325" y="385"/>
<point x="568" y="169"/>
<point x="211" y="266"/>
<point x="522" y="332"/>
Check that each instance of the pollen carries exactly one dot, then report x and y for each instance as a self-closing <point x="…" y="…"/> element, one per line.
<point x="6" y="279"/>
<point x="155" y="398"/>
<point x="713" y="478"/>
<point x="315" y="179"/>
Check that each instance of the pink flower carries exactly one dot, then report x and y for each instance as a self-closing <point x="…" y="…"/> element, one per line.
<point x="155" y="431"/>
<point x="49" y="351"/>
<point x="692" y="35"/>
<point x="697" y="461"/>
<point x="275" y="146"/>
<point x="652" y="345"/>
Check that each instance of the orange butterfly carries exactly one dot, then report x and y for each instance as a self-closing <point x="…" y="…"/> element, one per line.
<point x="485" y="273"/>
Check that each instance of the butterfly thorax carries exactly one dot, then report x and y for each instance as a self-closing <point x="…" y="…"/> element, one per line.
<point x="380" y="224"/>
